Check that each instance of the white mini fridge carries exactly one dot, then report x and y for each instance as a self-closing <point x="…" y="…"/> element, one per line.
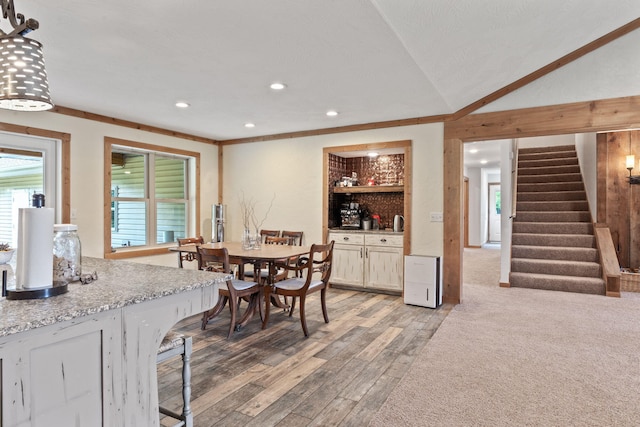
<point x="422" y="281"/>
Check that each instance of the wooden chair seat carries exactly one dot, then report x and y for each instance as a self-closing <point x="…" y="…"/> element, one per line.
<point x="297" y="283"/>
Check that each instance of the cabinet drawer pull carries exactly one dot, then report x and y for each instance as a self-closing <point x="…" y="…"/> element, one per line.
<point x="360" y="252"/>
<point x="345" y="238"/>
<point x="383" y="240"/>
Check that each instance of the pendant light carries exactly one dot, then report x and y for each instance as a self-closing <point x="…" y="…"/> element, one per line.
<point x="23" y="78"/>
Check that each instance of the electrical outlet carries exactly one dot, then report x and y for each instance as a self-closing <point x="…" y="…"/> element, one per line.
<point x="436" y="216"/>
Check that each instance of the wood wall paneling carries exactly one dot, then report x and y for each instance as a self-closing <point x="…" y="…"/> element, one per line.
<point x="619" y="201"/>
<point x="453" y="200"/>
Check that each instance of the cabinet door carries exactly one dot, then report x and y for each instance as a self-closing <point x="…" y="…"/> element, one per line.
<point x="347" y="268"/>
<point x="383" y="267"/>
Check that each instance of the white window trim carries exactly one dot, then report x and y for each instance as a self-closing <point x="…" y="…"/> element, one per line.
<point x="51" y="150"/>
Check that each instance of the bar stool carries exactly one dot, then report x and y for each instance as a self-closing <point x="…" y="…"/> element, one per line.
<point x="172" y="345"/>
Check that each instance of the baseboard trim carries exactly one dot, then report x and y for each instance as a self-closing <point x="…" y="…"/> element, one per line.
<point x="505" y="284"/>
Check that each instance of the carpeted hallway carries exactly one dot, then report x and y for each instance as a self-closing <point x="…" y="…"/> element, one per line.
<point x="516" y="356"/>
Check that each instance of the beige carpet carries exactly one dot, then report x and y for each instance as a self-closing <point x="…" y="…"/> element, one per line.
<point x="514" y="356"/>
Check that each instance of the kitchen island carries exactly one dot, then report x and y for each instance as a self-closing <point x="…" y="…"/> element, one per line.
<point x="88" y="357"/>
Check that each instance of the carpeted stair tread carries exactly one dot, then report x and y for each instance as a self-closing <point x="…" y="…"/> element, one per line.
<point x="549" y="170"/>
<point x="553" y="227"/>
<point x="556" y="240"/>
<point x="556" y="267"/>
<point x="587" y="285"/>
<point x="560" y="177"/>
<point x="568" y="205"/>
<point x="539" y="196"/>
<point x="547" y="162"/>
<point x="548" y="149"/>
<point x="550" y="186"/>
<point x="523" y="157"/>
<point x="553" y="216"/>
<point x="558" y="253"/>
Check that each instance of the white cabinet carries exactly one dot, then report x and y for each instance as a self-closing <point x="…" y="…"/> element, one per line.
<point x="348" y="255"/>
<point x="371" y="260"/>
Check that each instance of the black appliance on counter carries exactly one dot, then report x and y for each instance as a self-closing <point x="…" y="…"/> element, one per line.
<point x="350" y="218"/>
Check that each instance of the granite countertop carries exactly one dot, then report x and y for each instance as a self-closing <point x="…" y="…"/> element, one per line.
<point x="361" y="231"/>
<point x="119" y="284"/>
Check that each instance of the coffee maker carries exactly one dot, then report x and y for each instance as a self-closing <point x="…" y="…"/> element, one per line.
<point x="350" y="216"/>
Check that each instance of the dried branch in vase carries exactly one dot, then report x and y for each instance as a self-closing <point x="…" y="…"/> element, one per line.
<point x="258" y="225"/>
<point x="248" y="212"/>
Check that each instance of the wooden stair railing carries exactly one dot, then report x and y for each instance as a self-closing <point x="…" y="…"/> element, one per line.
<point x="608" y="260"/>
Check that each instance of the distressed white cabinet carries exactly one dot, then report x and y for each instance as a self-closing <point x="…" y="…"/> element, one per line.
<point x="88" y="357"/>
<point x="348" y="256"/>
<point x="383" y="262"/>
<point x="367" y="260"/>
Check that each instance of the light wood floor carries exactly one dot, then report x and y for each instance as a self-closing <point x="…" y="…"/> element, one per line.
<point x="339" y="376"/>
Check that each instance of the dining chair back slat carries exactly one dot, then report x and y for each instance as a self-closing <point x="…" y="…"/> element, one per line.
<point x="294" y="236"/>
<point x="272" y="233"/>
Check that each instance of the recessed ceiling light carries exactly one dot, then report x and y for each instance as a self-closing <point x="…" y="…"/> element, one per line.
<point x="484" y="162"/>
<point x="182" y="104"/>
<point x="277" y="86"/>
<point x="473" y="150"/>
<point x="372" y="154"/>
<point x="249" y="125"/>
<point x="332" y="113"/>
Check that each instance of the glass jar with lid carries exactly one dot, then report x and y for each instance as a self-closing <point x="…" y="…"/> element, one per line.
<point x="66" y="253"/>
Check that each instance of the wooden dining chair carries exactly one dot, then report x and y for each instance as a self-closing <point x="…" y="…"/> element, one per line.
<point x="188" y="256"/>
<point x="217" y="259"/>
<point x="316" y="271"/>
<point x="294" y="236"/>
<point x="264" y="234"/>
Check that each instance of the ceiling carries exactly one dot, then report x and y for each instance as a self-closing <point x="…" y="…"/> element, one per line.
<point x="370" y="60"/>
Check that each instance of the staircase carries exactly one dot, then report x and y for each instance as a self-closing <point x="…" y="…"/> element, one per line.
<point x="553" y="246"/>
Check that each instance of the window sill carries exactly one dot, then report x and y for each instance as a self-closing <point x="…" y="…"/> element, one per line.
<point x="134" y="253"/>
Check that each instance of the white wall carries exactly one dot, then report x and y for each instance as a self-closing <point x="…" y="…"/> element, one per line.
<point x="507" y="158"/>
<point x="586" y="150"/>
<point x="87" y="146"/>
<point x="475" y="233"/>
<point x="292" y="168"/>
<point x="546" y="141"/>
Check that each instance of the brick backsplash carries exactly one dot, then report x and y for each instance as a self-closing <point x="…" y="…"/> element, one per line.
<point x="384" y="169"/>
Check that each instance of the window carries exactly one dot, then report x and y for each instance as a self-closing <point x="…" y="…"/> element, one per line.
<point x="151" y="196"/>
<point x="27" y="166"/>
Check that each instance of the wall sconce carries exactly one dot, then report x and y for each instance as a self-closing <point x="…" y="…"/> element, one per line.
<point x="23" y="79"/>
<point x="630" y="161"/>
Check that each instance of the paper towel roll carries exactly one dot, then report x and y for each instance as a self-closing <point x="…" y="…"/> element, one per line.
<point x="34" y="267"/>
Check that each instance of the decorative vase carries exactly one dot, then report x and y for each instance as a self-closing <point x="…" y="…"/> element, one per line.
<point x="246" y="239"/>
<point x="5" y="256"/>
<point x="257" y="240"/>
